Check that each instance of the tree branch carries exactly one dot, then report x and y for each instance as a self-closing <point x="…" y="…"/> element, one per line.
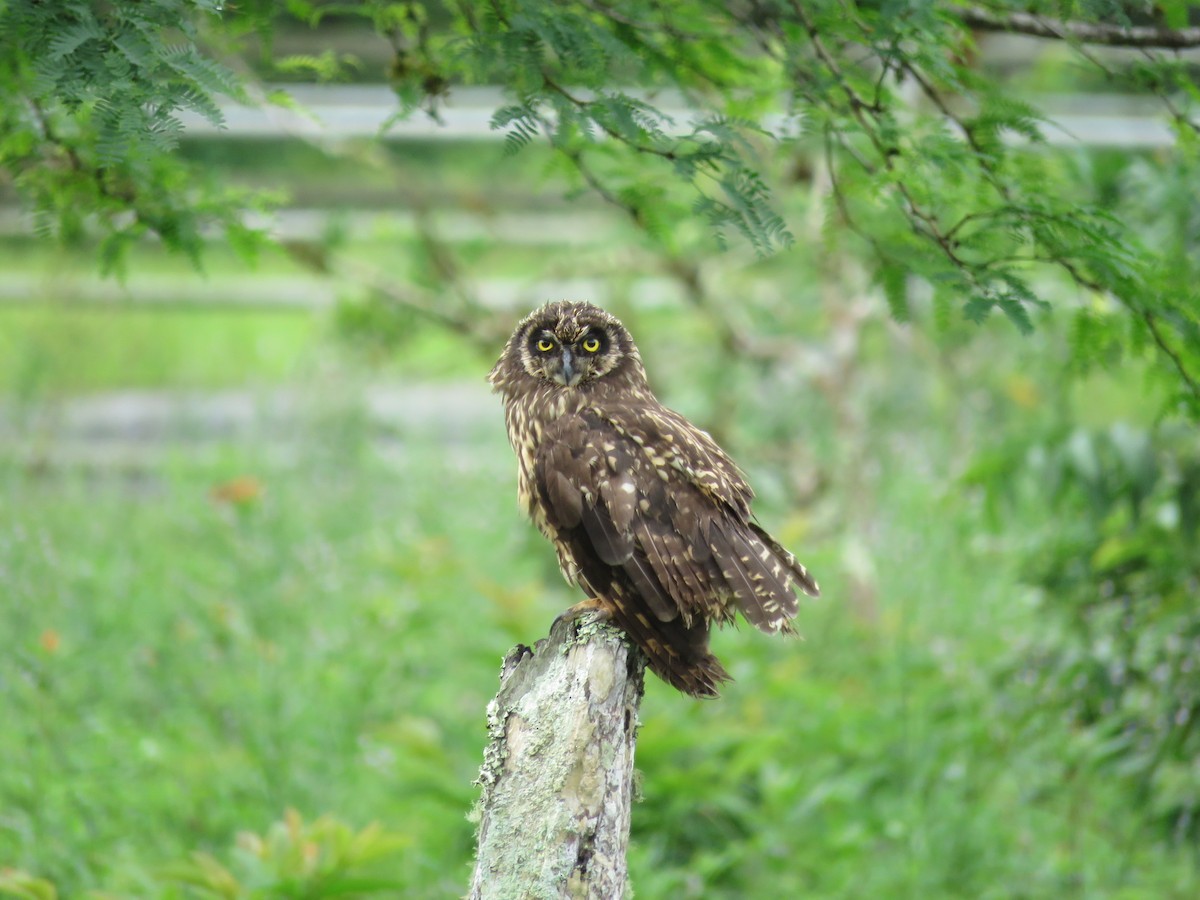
<point x="1109" y="35"/>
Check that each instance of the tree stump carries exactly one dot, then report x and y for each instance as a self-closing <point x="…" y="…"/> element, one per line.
<point x="557" y="774"/>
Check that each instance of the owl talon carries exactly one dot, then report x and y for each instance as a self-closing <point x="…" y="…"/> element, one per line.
<point x="602" y="610"/>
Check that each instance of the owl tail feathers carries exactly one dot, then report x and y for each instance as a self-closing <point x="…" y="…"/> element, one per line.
<point x="799" y="573"/>
<point x="697" y="678"/>
<point x="676" y="653"/>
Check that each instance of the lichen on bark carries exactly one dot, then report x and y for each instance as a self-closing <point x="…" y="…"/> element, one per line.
<point x="557" y="779"/>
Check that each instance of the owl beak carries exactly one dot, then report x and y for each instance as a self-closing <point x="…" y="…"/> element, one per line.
<point x="568" y="375"/>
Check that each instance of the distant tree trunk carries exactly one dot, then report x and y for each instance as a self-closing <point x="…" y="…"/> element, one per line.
<point x="557" y="775"/>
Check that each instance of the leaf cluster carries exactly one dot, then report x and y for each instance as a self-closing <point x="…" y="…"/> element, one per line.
<point x="321" y="858"/>
<point x="1120" y="656"/>
<point x="960" y="189"/>
<point x="935" y="168"/>
<point x="584" y="76"/>
<point x="91" y="98"/>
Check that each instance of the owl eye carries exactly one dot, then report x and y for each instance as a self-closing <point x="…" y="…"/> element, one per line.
<point x="545" y="345"/>
<point x="592" y="344"/>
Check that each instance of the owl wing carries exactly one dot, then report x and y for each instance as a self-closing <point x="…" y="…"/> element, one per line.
<point x="646" y="495"/>
<point x="667" y="437"/>
<point x="698" y="457"/>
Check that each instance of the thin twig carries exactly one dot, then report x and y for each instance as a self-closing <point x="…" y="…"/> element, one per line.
<point x="1152" y="323"/>
<point x="584" y="105"/>
<point x="1103" y="33"/>
<point x="1180" y="116"/>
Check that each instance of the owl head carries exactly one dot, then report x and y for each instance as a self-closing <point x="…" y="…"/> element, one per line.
<point x="572" y="345"/>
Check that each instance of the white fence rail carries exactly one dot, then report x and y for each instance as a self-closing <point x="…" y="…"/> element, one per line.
<point x="340" y="112"/>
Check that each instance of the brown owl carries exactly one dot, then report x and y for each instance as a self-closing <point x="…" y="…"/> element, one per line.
<point x="647" y="513"/>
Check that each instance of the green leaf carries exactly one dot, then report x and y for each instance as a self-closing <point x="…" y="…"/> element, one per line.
<point x="894" y="281"/>
<point x="16" y="883"/>
<point x="977" y="308"/>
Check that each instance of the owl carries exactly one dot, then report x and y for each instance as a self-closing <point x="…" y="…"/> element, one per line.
<point x="647" y="514"/>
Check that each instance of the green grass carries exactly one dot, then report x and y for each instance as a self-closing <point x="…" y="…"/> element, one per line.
<point x="180" y="669"/>
<point x="212" y="666"/>
<point x="56" y="350"/>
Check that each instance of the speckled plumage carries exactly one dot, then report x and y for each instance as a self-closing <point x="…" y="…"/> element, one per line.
<point x="646" y="512"/>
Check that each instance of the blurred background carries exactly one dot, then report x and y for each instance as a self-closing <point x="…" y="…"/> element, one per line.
<point x="260" y="554"/>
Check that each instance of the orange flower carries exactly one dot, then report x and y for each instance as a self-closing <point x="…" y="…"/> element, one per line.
<point x="50" y="640"/>
<point x="240" y="491"/>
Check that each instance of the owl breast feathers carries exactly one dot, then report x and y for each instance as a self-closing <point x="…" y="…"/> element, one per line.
<point x="647" y="514"/>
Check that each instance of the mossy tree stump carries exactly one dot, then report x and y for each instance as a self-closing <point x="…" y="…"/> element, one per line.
<point x="557" y="775"/>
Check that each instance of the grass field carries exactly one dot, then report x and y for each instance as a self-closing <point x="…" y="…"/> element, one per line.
<point x="203" y="649"/>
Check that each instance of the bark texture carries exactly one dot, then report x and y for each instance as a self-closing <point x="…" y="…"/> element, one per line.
<point x="557" y="774"/>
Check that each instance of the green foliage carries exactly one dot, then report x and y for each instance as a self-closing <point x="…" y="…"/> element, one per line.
<point x="319" y="859"/>
<point x="970" y="206"/>
<point x="956" y="188"/>
<point x="90" y="99"/>
<point x="562" y="62"/>
<point x="323" y="858"/>
<point x="23" y="886"/>
<point x="1119" y="658"/>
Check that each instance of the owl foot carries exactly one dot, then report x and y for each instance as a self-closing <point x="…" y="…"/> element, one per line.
<point x="602" y="610"/>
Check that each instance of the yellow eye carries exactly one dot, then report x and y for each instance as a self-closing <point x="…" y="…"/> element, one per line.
<point x="545" y="345"/>
<point x="591" y="345"/>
